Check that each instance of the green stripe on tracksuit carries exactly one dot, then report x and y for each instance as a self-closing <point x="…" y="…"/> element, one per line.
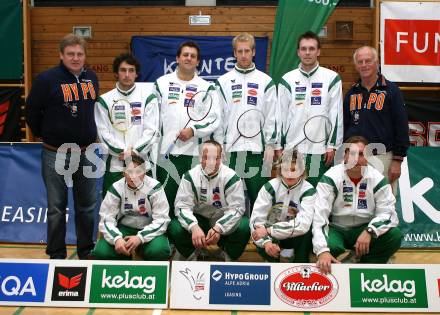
<point x="156" y="249"/>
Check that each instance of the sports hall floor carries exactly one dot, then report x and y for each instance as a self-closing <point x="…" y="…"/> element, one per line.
<point x="419" y="256"/>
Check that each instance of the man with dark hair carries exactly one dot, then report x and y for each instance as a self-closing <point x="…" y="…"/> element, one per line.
<point x="303" y="93"/>
<point x="174" y="92"/>
<point x="60" y="110"/>
<point x="374" y="108"/>
<point x="209" y="208"/>
<point x="355" y="210"/>
<point x="144" y="117"/>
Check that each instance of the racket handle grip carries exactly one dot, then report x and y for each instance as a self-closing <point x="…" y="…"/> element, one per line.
<point x="170" y="148"/>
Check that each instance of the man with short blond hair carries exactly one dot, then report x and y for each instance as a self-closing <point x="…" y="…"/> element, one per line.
<point x="242" y="89"/>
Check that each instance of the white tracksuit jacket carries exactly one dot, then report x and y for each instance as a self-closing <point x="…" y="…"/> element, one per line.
<point x="143" y="134"/>
<point x="172" y="94"/>
<point x="240" y="90"/>
<point x="370" y="201"/>
<point x="303" y="95"/>
<point x="219" y="198"/>
<point x="286" y="212"/>
<point x="145" y="208"/>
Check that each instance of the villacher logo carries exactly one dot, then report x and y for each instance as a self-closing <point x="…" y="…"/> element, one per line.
<point x="305" y="287"/>
<point x="69" y="283"/>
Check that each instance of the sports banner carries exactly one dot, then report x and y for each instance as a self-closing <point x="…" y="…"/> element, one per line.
<point x="303" y="288"/>
<point x="418" y="205"/>
<point x="23" y="200"/>
<point x="410" y="36"/>
<point x="10" y="114"/>
<point x="82" y="283"/>
<point x="11" y="26"/>
<point x="157" y="55"/>
<point x="294" y="18"/>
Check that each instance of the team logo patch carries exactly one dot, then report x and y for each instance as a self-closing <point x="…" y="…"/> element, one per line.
<point x="305" y="287"/>
<point x="315" y="100"/>
<point x="252" y="92"/>
<point x="192" y="88"/>
<point x="252" y="100"/>
<point x="141" y="206"/>
<point x="173" y="96"/>
<point x="317" y="85"/>
<point x="300" y="97"/>
<point x="316" y="92"/>
<point x="136" y="120"/>
<point x="362" y="204"/>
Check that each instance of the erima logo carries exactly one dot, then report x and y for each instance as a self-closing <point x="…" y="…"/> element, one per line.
<point x="69" y="283"/>
<point x="216" y="275"/>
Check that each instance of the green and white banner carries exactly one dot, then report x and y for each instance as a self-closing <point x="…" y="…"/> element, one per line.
<point x="293" y="18"/>
<point x="418" y="202"/>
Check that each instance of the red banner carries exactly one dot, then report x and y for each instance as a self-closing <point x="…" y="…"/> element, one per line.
<point x="412" y="42"/>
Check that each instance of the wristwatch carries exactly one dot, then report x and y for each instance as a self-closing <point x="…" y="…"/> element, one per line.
<point x="371" y="231"/>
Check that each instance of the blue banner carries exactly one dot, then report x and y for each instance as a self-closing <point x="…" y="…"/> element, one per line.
<point x="157" y="55"/>
<point x="23" y="199"/>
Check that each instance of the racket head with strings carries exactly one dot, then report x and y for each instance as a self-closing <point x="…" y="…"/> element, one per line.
<point x="197" y="109"/>
<point x="317" y="129"/>
<point x="249" y="124"/>
<point x="199" y="106"/>
<point x="120" y="115"/>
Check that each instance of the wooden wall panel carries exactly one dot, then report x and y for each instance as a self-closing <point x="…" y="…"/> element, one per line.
<point x="113" y="27"/>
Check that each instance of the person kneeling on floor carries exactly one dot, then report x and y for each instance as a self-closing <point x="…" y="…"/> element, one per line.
<point x="354" y="210"/>
<point x="283" y="212"/>
<point x="134" y="217"/>
<point x="209" y="208"/>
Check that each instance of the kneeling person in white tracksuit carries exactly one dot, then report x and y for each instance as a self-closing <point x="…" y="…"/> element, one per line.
<point x="355" y="210"/>
<point x="283" y="212"/>
<point x="209" y="207"/>
<point x="134" y="217"/>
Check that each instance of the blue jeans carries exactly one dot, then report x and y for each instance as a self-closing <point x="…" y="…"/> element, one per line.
<point x="84" y="197"/>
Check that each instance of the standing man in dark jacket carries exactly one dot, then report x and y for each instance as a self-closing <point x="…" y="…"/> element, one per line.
<point x="60" y="110"/>
<point x="374" y="108"/>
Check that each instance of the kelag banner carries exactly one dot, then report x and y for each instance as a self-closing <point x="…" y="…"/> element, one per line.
<point x="157" y="55"/>
<point x="23" y="201"/>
